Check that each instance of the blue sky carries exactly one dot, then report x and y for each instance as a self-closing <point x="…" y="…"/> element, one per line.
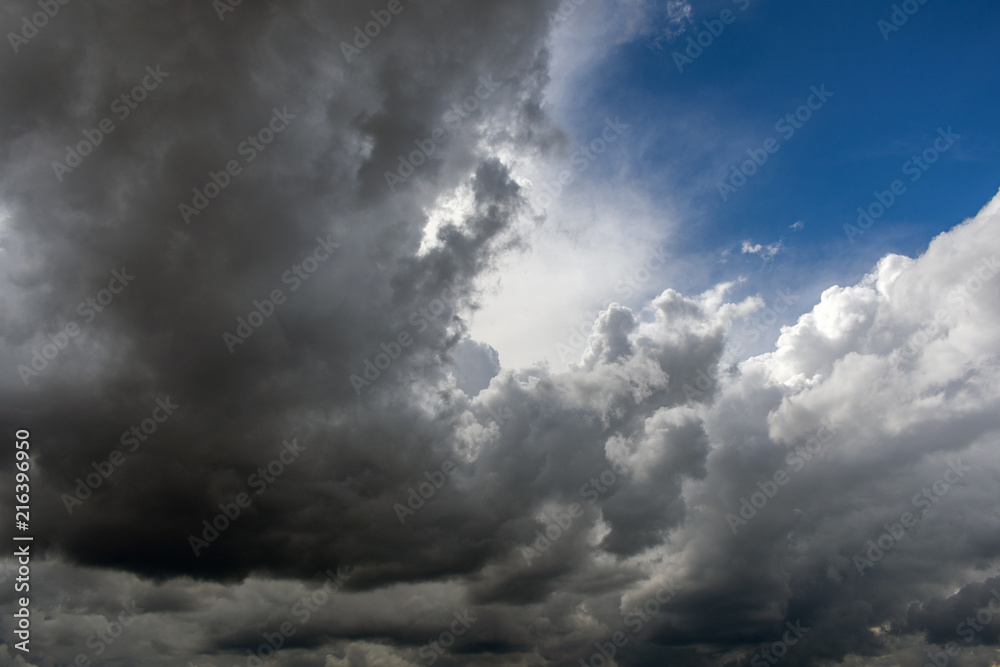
<point x="938" y="70"/>
<point x="890" y="97"/>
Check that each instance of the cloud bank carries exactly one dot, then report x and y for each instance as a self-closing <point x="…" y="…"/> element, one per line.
<point x="357" y="482"/>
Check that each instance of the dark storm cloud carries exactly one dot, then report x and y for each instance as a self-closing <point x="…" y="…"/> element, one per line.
<point x="554" y="504"/>
<point x="968" y="617"/>
<point x="162" y="335"/>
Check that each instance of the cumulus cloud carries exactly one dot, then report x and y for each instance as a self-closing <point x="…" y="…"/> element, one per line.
<point x="428" y="482"/>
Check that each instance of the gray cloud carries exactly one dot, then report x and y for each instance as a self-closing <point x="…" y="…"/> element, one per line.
<point x="685" y="437"/>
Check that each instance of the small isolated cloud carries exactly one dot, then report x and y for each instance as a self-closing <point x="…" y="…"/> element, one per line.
<point x="765" y="251"/>
<point x="797" y="226"/>
<point x="678" y="16"/>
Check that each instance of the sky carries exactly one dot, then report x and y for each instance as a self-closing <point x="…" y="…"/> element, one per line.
<point x="616" y="333"/>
